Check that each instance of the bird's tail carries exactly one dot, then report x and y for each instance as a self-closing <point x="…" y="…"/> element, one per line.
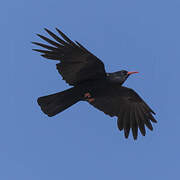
<point x="56" y="103"/>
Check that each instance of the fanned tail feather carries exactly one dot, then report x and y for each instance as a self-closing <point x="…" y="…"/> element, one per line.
<point x="56" y="103"/>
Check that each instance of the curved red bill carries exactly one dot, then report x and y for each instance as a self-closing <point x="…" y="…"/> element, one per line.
<point x="132" y="72"/>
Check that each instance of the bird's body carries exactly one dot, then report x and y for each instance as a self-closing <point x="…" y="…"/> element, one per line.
<point x="86" y="73"/>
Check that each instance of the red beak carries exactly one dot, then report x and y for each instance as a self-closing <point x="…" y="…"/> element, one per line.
<point x="132" y="72"/>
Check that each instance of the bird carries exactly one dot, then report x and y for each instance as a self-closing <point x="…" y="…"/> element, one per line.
<point x="90" y="82"/>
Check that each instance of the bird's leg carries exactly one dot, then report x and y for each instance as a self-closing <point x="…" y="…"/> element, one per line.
<point x="89" y="97"/>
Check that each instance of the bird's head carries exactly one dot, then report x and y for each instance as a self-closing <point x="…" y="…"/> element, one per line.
<point x="120" y="76"/>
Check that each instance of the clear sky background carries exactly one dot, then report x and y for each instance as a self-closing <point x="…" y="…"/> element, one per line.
<point x="82" y="142"/>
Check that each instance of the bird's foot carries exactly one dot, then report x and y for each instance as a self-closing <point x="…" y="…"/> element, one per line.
<point x="91" y="100"/>
<point x="89" y="97"/>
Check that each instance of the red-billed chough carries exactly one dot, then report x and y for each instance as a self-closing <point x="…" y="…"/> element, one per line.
<point x="91" y="83"/>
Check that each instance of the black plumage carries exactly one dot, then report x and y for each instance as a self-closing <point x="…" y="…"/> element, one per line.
<point x="86" y="73"/>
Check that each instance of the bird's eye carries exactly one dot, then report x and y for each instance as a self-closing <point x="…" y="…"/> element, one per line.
<point x="124" y="72"/>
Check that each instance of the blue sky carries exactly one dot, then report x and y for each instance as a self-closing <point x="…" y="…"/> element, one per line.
<point x="82" y="142"/>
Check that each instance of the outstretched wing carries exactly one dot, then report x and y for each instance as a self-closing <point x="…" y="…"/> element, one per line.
<point x="127" y="105"/>
<point x="77" y="64"/>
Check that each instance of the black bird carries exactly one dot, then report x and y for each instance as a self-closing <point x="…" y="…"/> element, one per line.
<point x="86" y="73"/>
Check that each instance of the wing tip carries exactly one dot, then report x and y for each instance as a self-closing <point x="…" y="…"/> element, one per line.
<point x="46" y="29"/>
<point x="135" y="138"/>
<point x="58" y="30"/>
<point x="38" y="34"/>
<point x="126" y="135"/>
<point x="37" y="50"/>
